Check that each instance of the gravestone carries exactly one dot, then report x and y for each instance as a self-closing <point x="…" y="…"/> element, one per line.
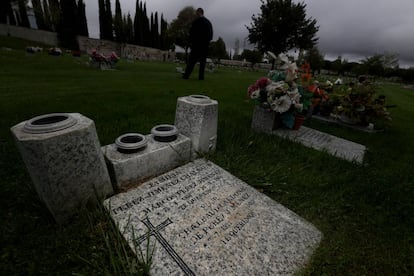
<point x="156" y="158"/>
<point x="204" y="221"/>
<point x="63" y="156"/>
<point x="264" y="120"/>
<point x="196" y="117"/>
<point x="322" y="141"/>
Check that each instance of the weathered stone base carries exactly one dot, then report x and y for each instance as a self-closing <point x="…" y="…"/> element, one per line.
<point x="157" y="158"/>
<point x="265" y="121"/>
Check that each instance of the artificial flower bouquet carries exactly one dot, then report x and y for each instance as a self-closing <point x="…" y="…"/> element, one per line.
<point x="281" y="92"/>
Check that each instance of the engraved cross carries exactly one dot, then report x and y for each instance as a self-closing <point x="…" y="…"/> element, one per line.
<point x="154" y="231"/>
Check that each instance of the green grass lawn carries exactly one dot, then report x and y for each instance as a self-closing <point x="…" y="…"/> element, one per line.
<point x="364" y="211"/>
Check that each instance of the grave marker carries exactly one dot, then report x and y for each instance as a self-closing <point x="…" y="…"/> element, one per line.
<point x="205" y="221"/>
<point x="322" y="141"/>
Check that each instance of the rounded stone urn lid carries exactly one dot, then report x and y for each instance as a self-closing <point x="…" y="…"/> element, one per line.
<point x="164" y="132"/>
<point x="131" y="142"/>
<point x="199" y="99"/>
<point x="49" y="123"/>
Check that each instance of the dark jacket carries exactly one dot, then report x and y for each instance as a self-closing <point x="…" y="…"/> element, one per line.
<point x="201" y="32"/>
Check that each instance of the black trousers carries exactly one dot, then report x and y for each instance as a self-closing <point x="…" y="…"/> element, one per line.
<point x="197" y="54"/>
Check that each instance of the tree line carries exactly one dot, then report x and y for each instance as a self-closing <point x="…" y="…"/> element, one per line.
<point x="68" y="19"/>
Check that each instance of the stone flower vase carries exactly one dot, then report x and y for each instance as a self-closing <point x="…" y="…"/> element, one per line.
<point x="265" y="120"/>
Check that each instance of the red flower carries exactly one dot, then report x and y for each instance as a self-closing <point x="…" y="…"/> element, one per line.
<point x="251" y="89"/>
<point x="263" y="82"/>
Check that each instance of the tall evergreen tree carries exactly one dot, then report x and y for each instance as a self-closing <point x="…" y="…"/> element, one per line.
<point x="24" y="20"/>
<point x="128" y="29"/>
<point x="55" y="13"/>
<point x="108" y="19"/>
<point x="46" y="16"/>
<point x="83" y="23"/>
<point x="155" y="32"/>
<point x="38" y="12"/>
<point x="118" y="23"/>
<point x="138" y="24"/>
<point x="146" y="27"/>
<point x="67" y="29"/>
<point x="164" y="41"/>
<point x="3" y="11"/>
<point x="102" y="22"/>
<point x="8" y="13"/>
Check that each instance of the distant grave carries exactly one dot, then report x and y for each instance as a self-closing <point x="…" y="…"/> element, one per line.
<point x="268" y="122"/>
<point x="336" y="120"/>
<point x="322" y="141"/>
<point x="205" y="221"/>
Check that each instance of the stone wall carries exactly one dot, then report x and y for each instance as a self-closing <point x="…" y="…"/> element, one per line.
<point x="45" y="37"/>
<point x="87" y="44"/>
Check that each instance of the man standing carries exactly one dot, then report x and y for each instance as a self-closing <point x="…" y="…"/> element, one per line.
<point x="201" y="33"/>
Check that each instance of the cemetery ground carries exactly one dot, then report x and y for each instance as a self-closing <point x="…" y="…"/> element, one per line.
<point x="364" y="211"/>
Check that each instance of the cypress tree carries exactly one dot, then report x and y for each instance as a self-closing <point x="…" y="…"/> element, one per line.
<point x="118" y="23"/>
<point x="163" y="34"/>
<point x="156" y="33"/>
<point x="146" y="27"/>
<point x="101" y="5"/>
<point x="138" y="24"/>
<point x="3" y="11"/>
<point x="108" y="19"/>
<point x="38" y="12"/>
<point x="67" y="29"/>
<point x="54" y="9"/>
<point x="47" y="17"/>
<point x="24" y="20"/>
<point x="83" y="23"/>
<point x="152" y="29"/>
<point x="129" y="29"/>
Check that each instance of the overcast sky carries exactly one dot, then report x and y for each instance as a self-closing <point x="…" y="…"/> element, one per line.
<point x="353" y="29"/>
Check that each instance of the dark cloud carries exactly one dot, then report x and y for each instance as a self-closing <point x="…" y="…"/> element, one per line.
<point x="353" y="29"/>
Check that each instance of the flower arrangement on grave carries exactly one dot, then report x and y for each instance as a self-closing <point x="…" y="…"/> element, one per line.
<point x="360" y="105"/>
<point x="103" y="61"/>
<point x="284" y="93"/>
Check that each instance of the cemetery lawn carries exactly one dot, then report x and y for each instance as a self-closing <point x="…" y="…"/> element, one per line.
<point x="364" y="211"/>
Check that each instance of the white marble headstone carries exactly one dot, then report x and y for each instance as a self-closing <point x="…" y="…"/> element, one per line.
<point x="205" y="221"/>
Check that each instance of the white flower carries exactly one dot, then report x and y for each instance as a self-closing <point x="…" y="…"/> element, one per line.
<point x="294" y="95"/>
<point x="281" y="104"/>
<point x="291" y="72"/>
<point x="255" y="94"/>
<point x="275" y="86"/>
<point x="299" y="107"/>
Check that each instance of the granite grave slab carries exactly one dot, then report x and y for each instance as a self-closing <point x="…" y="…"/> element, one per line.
<point x="318" y="140"/>
<point x="202" y="220"/>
